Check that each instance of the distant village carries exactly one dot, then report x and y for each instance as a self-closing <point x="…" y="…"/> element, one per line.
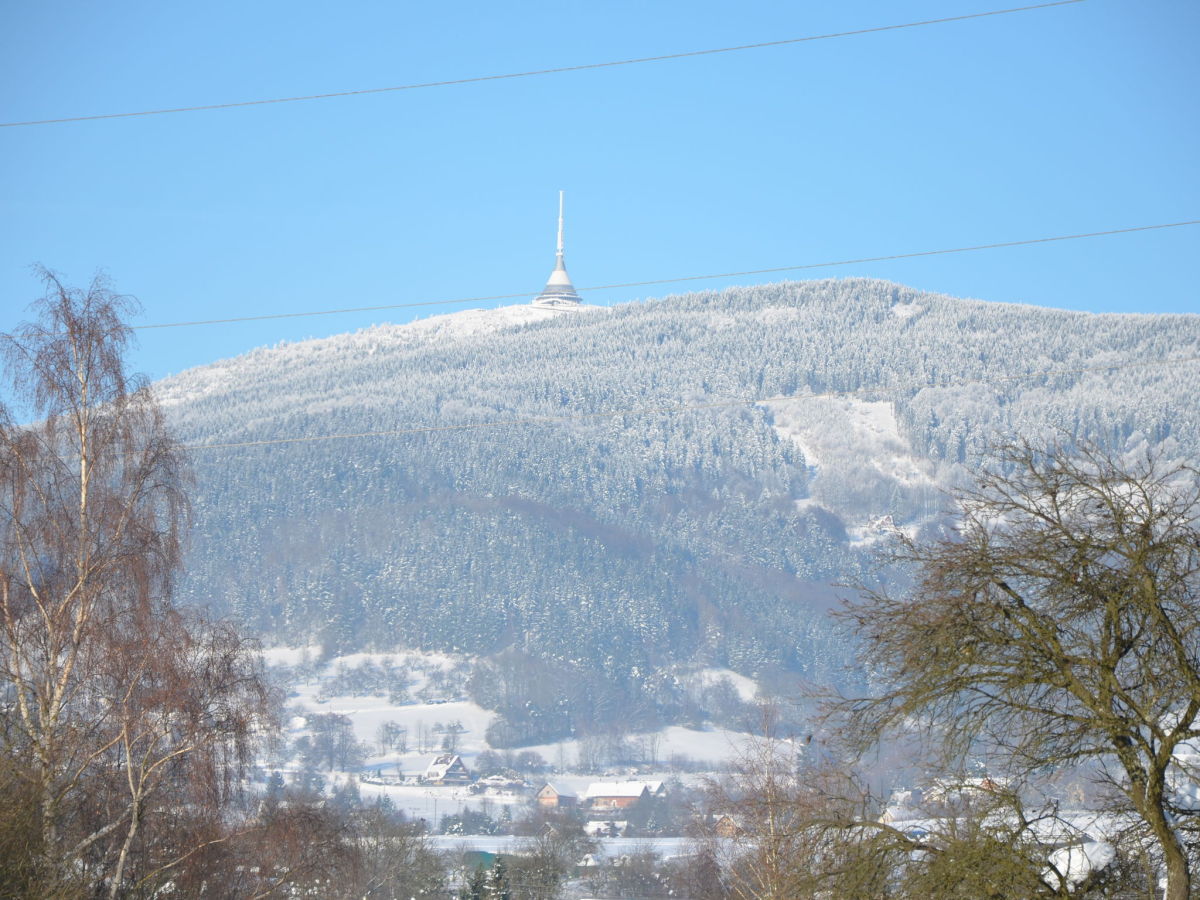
<point x="604" y="808"/>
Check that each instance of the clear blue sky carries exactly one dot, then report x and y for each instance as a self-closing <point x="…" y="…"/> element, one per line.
<point x="1072" y="119"/>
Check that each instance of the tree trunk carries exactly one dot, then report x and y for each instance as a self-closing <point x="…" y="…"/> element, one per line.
<point x="114" y="887"/>
<point x="1179" y="877"/>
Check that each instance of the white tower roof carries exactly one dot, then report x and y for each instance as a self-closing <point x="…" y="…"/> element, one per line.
<point x="558" y="291"/>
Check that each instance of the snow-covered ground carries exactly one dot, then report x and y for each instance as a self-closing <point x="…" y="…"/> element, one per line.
<point x="369" y="712"/>
<point x="442" y="329"/>
<point x="834" y="432"/>
<point x="713" y="747"/>
<point x="289" y="656"/>
<point x="422" y="720"/>
<point x="860" y="461"/>
<point x="394" y="774"/>
<point x="431" y="803"/>
<point x="424" y="723"/>
<point x="747" y="688"/>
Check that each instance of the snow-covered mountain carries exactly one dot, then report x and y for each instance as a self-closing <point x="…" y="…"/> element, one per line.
<point x="596" y="497"/>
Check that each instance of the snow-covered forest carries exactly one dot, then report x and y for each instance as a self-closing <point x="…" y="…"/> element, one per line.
<point x="544" y="504"/>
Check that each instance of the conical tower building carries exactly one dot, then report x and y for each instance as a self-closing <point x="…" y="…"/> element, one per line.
<point x="559" y="291"/>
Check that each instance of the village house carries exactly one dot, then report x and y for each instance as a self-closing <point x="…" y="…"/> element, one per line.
<point x="903" y="805"/>
<point x="727" y="827"/>
<point x="959" y="793"/>
<point x="550" y="797"/>
<point x="447" y="769"/>
<point x="608" y="796"/>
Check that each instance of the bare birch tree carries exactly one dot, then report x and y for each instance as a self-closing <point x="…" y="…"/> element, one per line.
<point x="119" y="712"/>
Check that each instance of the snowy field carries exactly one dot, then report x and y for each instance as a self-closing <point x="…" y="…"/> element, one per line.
<point x="367" y="713"/>
<point x="393" y="774"/>
<point x="429" y="803"/>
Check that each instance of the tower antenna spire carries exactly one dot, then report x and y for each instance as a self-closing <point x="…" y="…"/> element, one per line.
<point x="560" y="224"/>
<point x="559" y="292"/>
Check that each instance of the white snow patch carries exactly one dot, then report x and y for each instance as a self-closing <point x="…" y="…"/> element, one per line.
<point x="855" y="446"/>
<point x="431" y="803"/>
<point x="416" y="658"/>
<point x="714" y="747"/>
<point x="368" y="713"/>
<point x="1078" y="861"/>
<point x="466" y="323"/>
<point x="907" y="310"/>
<point x="747" y="688"/>
<point x="879" y="528"/>
<point x="721" y="321"/>
<point x="835" y="430"/>
<point x="775" y="315"/>
<point x="289" y="656"/>
<point x="1183" y="778"/>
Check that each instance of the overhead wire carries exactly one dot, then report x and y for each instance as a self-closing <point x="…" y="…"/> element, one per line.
<point x="644" y="283"/>
<point x="674" y="280"/>
<point x="689" y="407"/>
<point x="547" y="71"/>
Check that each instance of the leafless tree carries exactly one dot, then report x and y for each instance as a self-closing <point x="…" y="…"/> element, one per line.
<point x="395" y="859"/>
<point x="796" y="828"/>
<point x="125" y="721"/>
<point x="1060" y="625"/>
<point x="554" y="843"/>
<point x="815" y="831"/>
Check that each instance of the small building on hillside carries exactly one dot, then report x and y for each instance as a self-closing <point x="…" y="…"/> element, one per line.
<point x="942" y="794"/>
<point x="656" y="789"/>
<point x="604" y="796"/>
<point x="904" y="804"/>
<point x="550" y="797"/>
<point x="447" y="769"/>
<point x="728" y="827"/>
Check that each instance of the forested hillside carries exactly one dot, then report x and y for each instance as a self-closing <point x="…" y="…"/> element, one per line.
<point x="617" y="539"/>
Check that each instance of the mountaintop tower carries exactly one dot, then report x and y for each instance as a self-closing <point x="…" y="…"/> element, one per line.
<point x="559" y="292"/>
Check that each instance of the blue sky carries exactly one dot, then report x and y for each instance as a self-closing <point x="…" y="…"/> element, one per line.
<point x="1072" y="119"/>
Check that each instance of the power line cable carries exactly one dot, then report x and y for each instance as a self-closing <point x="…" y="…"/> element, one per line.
<point x="551" y="71"/>
<point x="677" y="279"/>
<point x="688" y="407"/>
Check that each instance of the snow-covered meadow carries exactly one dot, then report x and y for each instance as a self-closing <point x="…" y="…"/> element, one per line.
<point x="395" y="773"/>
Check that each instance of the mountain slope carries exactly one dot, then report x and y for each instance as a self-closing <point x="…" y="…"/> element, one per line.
<point x="605" y="537"/>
